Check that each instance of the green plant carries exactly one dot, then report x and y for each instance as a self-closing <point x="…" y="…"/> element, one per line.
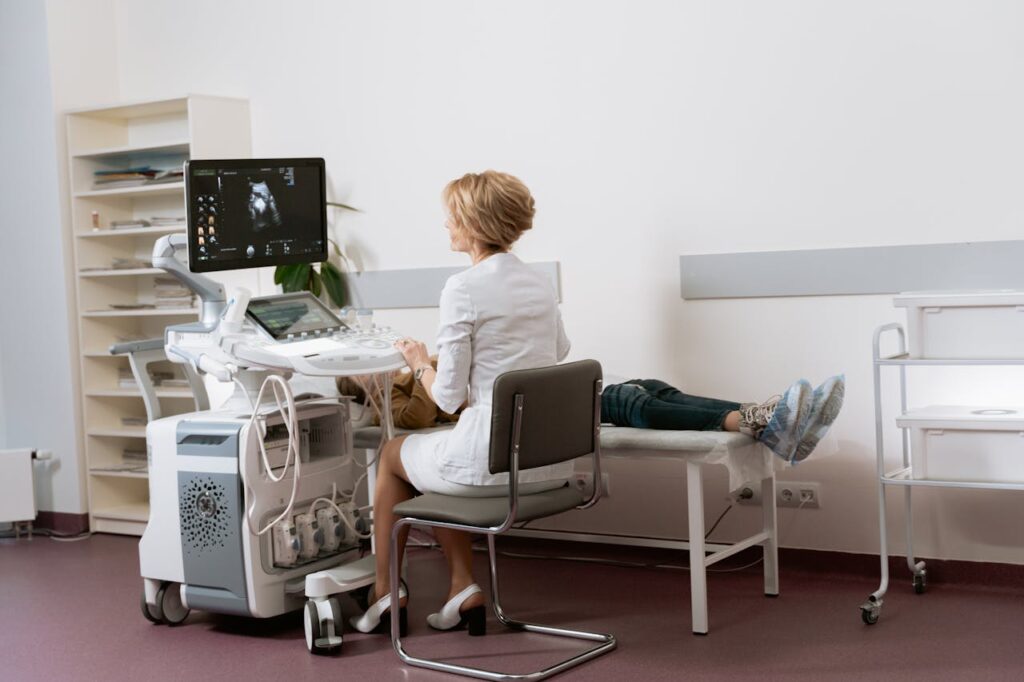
<point x="305" y="277"/>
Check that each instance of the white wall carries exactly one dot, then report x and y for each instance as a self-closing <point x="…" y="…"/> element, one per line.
<point x="36" y="371"/>
<point x="648" y="130"/>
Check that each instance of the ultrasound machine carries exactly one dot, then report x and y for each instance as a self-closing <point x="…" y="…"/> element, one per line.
<point x="252" y="504"/>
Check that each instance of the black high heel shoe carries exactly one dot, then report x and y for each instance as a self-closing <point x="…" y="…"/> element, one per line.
<point x="451" y="618"/>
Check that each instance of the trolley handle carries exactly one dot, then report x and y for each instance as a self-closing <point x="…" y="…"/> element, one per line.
<point x="876" y="342"/>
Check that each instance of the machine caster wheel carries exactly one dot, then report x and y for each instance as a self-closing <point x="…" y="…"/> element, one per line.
<point x="150" y="612"/>
<point x="870" y="614"/>
<point x="920" y="583"/>
<point x="172" y="610"/>
<point x="321" y="641"/>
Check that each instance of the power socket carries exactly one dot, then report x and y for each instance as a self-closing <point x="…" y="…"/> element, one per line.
<point x="787" y="494"/>
<point x="798" y="494"/>
<point x="584" y="482"/>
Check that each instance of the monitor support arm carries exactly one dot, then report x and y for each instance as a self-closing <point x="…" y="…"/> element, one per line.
<point x="210" y="293"/>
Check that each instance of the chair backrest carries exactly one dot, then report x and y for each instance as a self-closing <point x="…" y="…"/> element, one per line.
<point x="561" y="414"/>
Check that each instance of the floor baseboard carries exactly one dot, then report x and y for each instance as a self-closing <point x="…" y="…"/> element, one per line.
<point x="62" y="522"/>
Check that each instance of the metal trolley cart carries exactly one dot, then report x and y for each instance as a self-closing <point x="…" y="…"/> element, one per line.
<point x="904" y="475"/>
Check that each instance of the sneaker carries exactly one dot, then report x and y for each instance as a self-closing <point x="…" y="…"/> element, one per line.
<point x="782" y="433"/>
<point x="754" y="417"/>
<point x="827" y="401"/>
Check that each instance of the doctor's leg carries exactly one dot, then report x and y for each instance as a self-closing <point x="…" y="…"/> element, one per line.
<point x="458" y="550"/>
<point x="392" y="487"/>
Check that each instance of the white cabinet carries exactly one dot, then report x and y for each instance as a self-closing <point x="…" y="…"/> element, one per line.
<point x="126" y="190"/>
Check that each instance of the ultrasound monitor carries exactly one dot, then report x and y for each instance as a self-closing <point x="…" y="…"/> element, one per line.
<point x="248" y="213"/>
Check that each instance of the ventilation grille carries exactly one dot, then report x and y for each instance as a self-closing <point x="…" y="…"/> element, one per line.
<point x="205" y="516"/>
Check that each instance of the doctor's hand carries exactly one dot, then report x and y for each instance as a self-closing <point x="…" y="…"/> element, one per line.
<point x="414" y="352"/>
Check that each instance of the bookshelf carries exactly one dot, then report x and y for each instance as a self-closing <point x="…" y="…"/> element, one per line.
<point x="116" y="287"/>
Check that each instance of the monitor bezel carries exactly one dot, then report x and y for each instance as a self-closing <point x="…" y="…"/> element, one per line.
<point x="294" y="295"/>
<point x="211" y="265"/>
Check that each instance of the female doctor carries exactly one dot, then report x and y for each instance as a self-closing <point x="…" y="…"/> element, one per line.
<point x="497" y="316"/>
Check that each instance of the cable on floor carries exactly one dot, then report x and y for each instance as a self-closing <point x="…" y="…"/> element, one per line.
<point x="46" y="533"/>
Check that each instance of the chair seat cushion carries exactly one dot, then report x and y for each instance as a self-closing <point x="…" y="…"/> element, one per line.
<point x="488" y="511"/>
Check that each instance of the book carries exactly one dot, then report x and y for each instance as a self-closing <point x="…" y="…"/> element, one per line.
<point x="128" y="224"/>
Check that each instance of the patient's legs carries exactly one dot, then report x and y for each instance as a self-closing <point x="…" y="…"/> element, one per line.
<point x="662" y="414"/>
<point x="663" y="391"/>
<point x="643" y="404"/>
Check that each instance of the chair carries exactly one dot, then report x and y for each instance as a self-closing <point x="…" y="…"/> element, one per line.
<point x="539" y="417"/>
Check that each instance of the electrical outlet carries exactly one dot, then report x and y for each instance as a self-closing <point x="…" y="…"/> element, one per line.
<point x="584" y="482"/>
<point x="748" y="494"/>
<point x="797" y="494"/>
<point x="786" y="494"/>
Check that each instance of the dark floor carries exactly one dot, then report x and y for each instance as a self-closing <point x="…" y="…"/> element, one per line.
<point x="70" y="611"/>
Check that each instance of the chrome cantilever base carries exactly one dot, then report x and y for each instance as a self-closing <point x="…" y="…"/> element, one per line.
<point x="606" y="642"/>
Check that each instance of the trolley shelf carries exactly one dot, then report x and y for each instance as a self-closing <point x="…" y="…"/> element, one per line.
<point x="902" y="477"/>
<point x="906" y="361"/>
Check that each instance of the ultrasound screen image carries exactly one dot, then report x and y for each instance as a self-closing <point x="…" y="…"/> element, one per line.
<point x="262" y="207"/>
<point x="252" y="216"/>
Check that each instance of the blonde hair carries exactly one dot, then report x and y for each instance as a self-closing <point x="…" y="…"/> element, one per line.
<point x="493" y="208"/>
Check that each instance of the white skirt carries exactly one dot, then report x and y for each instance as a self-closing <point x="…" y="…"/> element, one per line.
<point x="422" y="466"/>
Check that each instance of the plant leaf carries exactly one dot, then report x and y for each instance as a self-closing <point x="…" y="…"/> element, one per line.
<point x="279" y="273"/>
<point x="314" y="282"/>
<point x="334" y="283"/>
<point x="338" y="204"/>
<point x="296" y="278"/>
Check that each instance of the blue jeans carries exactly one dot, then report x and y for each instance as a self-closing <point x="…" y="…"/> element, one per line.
<point x="653" y="404"/>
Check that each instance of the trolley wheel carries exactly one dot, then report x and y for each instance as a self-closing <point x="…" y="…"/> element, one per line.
<point x="169" y="599"/>
<point x="151" y="612"/>
<point x="920" y="583"/>
<point x="870" y="614"/>
<point x="336" y="617"/>
<point x="317" y="641"/>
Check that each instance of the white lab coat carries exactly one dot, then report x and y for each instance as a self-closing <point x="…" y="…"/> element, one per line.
<point x="499" y="315"/>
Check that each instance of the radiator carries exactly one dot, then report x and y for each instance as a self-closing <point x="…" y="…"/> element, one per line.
<point x="17" y="496"/>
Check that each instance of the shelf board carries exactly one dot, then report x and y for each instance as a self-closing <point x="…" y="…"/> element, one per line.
<point x="121" y="272"/>
<point x="146" y="312"/>
<point x="125" y="432"/>
<point x="133" y="231"/>
<point x="100" y="525"/>
<point x="136" y="393"/>
<point x="119" y="474"/>
<point x="123" y="111"/>
<point x="124" y="512"/>
<point x="175" y="147"/>
<point x="156" y="190"/>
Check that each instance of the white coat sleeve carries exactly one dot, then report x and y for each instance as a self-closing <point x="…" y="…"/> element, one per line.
<point x="564" y="345"/>
<point x="454" y="347"/>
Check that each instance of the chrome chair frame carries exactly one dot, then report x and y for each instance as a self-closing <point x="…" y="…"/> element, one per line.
<point x="606" y="642"/>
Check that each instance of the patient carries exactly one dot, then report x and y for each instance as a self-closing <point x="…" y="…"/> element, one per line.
<point x="411" y="407"/>
<point x="790" y="425"/>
